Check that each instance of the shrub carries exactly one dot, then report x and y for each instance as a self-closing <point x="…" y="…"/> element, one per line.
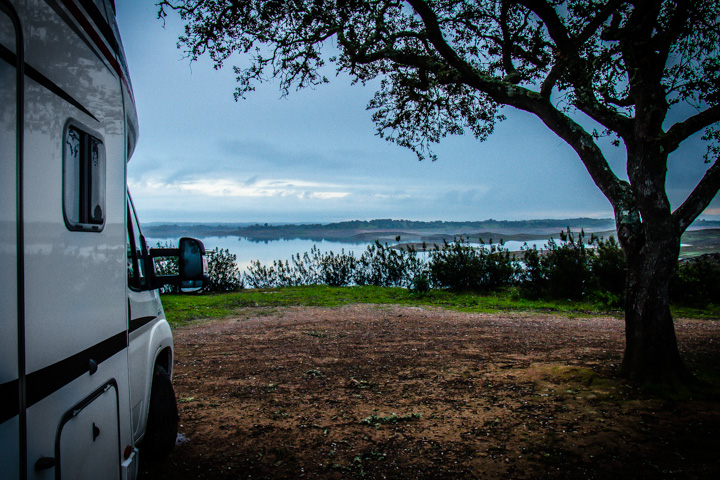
<point x="260" y="276"/>
<point x="421" y="283"/>
<point x="223" y="273"/>
<point x="696" y="281"/>
<point x="532" y="275"/>
<point x="306" y="268"/>
<point x="337" y="270"/>
<point x="572" y="269"/>
<point x="310" y="268"/>
<point x="461" y="266"/>
<point x="566" y="266"/>
<point x="385" y="266"/>
<point x="608" y="268"/>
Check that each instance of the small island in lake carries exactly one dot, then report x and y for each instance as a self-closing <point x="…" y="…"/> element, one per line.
<point x="703" y="237"/>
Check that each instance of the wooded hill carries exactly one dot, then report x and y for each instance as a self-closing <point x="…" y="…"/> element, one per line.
<point x="363" y="230"/>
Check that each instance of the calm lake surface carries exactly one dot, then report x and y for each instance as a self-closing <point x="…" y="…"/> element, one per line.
<point x="267" y="252"/>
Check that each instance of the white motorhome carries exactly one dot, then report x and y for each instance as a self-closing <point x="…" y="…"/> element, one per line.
<point x="85" y="350"/>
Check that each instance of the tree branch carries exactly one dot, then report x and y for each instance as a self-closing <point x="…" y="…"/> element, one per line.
<point x="581" y="141"/>
<point x="672" y="139"/>
<point x="665" y="38"/>
<point x="435" y="37"/>
<point x="524" y="99"/>
<point x="554" y="25"/>
<point x="511" y="75"/>
<point x="518" y="50"/>
<point x="699" y="199"/>
<point x="569" y="59"/>
<point x="607" y="117"/>
<point x="595" y="23"/>
<point x="620" y="102"/>
<point x="549" y="83"/>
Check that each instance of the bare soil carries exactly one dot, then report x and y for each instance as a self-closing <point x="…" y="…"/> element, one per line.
<point x="374" y="392"/>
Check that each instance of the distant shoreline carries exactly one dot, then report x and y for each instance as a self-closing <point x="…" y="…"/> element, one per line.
<point x="362" y="231"/>
<point x="702" y="237"/>
<point x="383" y="229"/>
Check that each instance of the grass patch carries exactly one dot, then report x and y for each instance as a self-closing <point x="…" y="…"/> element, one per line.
<point x="710" y="312"/>
<point x="183" y="308"/>
<point x="571" y="382"/>
<point x="393" y="418"/>
<point x="315" y="373"/>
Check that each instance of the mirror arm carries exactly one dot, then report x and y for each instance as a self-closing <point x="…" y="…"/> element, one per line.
<point x="164" y="252"/>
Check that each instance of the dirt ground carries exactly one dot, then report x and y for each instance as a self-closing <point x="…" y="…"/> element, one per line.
<point x="375" y="392"/>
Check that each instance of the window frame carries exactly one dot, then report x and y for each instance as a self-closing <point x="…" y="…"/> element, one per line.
<point x="78" y="179"/>
<point x="140" y="280"/>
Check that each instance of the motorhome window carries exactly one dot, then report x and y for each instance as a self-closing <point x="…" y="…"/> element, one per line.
<point x="83" y="181"/>
<point x="131" y="262"/>
<point x="137" y="278"/>
<point x="136" y="251"/>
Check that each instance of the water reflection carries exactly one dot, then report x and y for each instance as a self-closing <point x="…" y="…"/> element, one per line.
<point x="268" y="251"/>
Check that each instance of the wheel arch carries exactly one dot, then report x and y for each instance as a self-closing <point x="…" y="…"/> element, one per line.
<point x="164" y="359"/>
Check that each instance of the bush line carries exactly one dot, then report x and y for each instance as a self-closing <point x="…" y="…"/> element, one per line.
<point x="573" y="268"/>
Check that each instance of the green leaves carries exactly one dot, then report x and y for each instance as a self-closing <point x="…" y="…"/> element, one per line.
<point x="447" y="67"/>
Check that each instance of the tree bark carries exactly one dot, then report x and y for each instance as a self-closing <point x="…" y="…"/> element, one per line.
<point x="651" y="351"/>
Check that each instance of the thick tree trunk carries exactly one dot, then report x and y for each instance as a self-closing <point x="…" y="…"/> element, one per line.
<point x="651" y="350"/>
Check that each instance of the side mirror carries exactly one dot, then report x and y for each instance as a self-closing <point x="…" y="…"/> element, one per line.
<point x="192" y="264"/>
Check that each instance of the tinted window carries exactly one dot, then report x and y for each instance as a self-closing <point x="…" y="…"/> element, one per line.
<point x="137" y="251"/>
<point x="83" y="181"/>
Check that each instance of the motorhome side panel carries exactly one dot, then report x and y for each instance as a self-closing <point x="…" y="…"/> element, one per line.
<point x="9" y="125"/>
<point x="150" y="339"/>
<point x="74" y="249"/>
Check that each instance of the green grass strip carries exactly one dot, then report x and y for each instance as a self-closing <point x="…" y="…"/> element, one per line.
<point x="182" y="308"/>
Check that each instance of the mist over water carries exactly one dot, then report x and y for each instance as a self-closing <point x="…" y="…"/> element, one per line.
<point x="268" y="251"/>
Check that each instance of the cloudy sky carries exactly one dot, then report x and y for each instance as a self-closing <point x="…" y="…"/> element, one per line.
<point x="314" y="156"/>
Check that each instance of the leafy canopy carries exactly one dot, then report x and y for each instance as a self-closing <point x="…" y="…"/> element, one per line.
<point x="447" y="66"/>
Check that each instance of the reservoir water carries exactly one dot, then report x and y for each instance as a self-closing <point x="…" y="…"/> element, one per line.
<point x="268" y="251"/>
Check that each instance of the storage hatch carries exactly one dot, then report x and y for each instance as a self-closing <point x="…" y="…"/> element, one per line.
<point x="89" y="436"/>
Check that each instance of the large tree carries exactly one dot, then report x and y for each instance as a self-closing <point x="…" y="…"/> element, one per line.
<point x="645" y="72"/>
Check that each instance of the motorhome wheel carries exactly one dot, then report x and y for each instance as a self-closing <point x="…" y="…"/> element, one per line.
<point x="162" y="423"/>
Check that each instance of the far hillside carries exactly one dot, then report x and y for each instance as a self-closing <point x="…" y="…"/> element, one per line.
<point x="369" y="230"/>
<point x="702" y="237"/>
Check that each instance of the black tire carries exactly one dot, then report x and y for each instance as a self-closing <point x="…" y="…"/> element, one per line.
<point x="162" y="423"/>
